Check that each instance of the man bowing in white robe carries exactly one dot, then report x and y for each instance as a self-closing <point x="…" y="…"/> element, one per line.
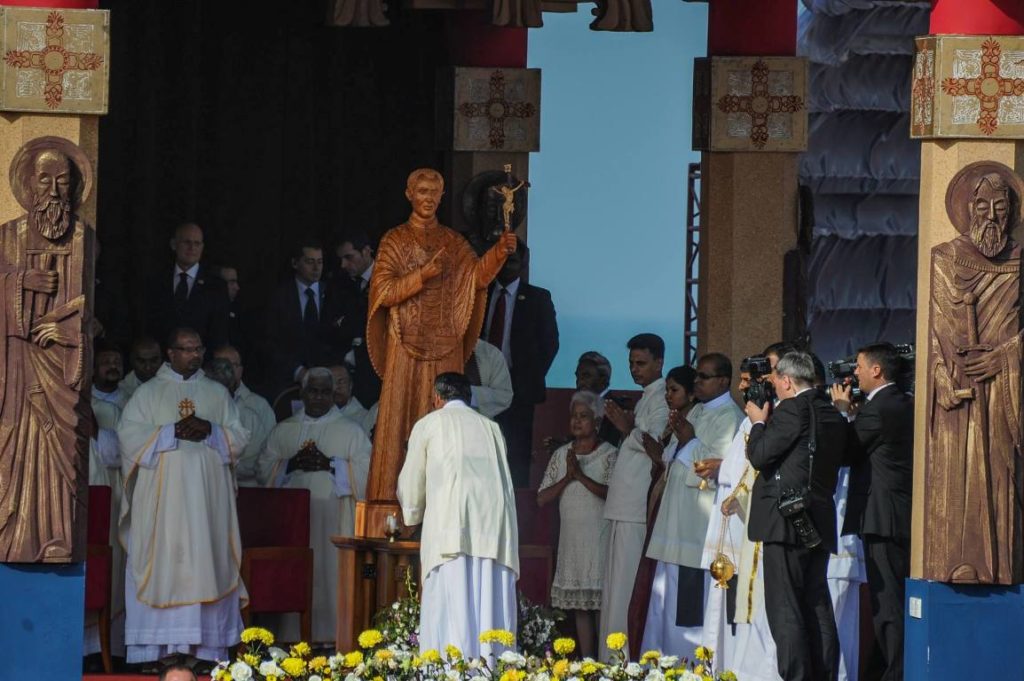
<point x="321" y="450"/>
<point x="456" y="481"/>
<point x="180" y="435"/>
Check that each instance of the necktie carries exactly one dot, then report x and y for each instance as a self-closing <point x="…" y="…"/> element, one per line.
<point x="496" y="334"/>
<point x="309" y="315"/>
<point x="181" y="290"/>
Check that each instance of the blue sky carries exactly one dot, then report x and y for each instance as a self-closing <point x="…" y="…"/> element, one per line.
<point x="607" y="212"/>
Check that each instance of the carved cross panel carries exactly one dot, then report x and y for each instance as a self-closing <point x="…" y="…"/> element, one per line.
<point x="750" y="104"/>
<point x="968" y="86"/>
<point x="489" y="109"/>
<point x="54" y="61"/>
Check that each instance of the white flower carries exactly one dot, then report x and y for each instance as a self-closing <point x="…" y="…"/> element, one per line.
<point x="689" y="676"/>
<point x="653" y="675"/>
<point x="475" y="663"/>
<point x="240" y="671"/>
<point x="513" y="658"/>
<point x="452" y="675"/>
<point x="633" y="669"/>
<point x="270" y="668"/>
<point x="542" y="676"/>
<point x="277" y="653"/>
<point x="668" y="661"/>
<point x="336" y="661"/>
<point x="315" y="677"/>
<point x="574" y="667"/>
<point x="351" y="677"/>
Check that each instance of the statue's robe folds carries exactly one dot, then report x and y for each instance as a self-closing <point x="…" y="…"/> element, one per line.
<point x="418" y="329"/>
<point x="179" y="522"/>
<point x="972" y="487"/>
<point x="332" y="497"/>
<point x="44" y="447"/>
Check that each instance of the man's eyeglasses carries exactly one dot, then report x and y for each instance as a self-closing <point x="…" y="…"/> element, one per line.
<point x="197" y="350"/>
<point x="707" y="377"/>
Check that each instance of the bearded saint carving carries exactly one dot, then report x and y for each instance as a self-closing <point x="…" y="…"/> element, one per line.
<point x="46" y="274"/>
<point x="972" y="519"/>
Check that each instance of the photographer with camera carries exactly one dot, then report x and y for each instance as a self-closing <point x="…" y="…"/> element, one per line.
<point x="796" y="449"/>
<point x="881" y="459"/>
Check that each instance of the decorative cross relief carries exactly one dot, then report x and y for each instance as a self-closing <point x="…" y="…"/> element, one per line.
<point x="497" y="109"/>
<point x="989" y="86"/>
<point x="760" y="104"/>
<point x="488" y="109"/>
<point x="55" y="61"/>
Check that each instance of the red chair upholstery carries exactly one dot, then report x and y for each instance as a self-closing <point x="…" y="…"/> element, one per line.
<point x="98" y="566"/>
<point x="537" y="530"/>
<point x="277" y="561"/>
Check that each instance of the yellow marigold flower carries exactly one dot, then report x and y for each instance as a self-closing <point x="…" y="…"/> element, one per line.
<point x="353" y="659"/>
<point x="222" y="675"/>
<point x="564" y="646"/>
<point x="650" y="656"/>
<point x="505" y="638"/>
<point x="616" y="641"/>
<point x="293" y="666"/>
<point x="258" y="634"/>
<point x="430" y="656"/>
<point x="699" y="670"/>
<point x="452" y="652"/>
<point x="707" y="677"/>
<point x="588" y="668"/>
<point x="251" y="660"/>
<point x="378" y="678"/>
<point x="318" y="663"/>
<point x="727" y="676"/>
<point x="301" y="649"/>
<point x="383" y="655"/>
<point x="513" y="675"/>
<point x="704" y="653"/>
<point x="370" y="638"/>
<point x="671" y="674"/>
<point x="560" y="669"/>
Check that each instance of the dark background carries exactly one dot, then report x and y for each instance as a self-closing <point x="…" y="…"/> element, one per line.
<point x="259" y="126"/>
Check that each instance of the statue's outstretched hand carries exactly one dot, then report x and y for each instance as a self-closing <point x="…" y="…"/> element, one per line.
<point x="508" y="242"/>
<point x="432" y="268"/>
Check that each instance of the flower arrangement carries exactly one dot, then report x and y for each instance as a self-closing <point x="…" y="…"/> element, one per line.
<point x="380" y="660"/>
<point x="538" y="627"/>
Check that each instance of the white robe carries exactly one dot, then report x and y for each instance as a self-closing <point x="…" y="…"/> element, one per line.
<point x="456" y="481"/>
<point x="846" y="572"/>
<point x="626" y="508"/>
<point x="129" y="384"/>
<point x="355" y="411"/>
<point x="178" y="520"/>
<point x="332" y="503"/>
<point x="494" y="394"/>
<point x="258" y="418"/>
<point x="680" y="531"/>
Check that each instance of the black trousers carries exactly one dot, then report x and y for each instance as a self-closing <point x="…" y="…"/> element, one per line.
<point x="799" y="610"/>
<point x="888" y="566"/>
<point x="516" y="424"/>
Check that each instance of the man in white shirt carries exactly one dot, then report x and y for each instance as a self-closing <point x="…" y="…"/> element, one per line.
<point x="456" y="482"/>
<point x="626" y="504"/>
<point x="255" y="413"/>
<point x="490" y="379"/>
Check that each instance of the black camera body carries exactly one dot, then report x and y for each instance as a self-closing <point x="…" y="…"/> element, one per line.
<point x="842" y="371"/>
<point x="793" y="505"/>
<point x="759" y="392"/>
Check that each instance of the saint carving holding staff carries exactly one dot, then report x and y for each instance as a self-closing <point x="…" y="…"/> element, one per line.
<point x="46" y="265"/>
<point x="427" y="304"/>
<point x="972" y="487"/>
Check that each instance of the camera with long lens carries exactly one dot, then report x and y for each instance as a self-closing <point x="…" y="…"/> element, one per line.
<point x="760" y="391"/>
<point x="793" y="506"/>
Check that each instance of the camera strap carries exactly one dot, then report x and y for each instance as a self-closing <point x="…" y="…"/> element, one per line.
<point x="812" y="446"/>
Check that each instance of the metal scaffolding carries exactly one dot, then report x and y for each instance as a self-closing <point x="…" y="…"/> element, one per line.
<point x="692" y="268"/>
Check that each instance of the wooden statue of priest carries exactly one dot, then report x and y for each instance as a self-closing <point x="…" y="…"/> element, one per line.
<point x="427" y="303"/>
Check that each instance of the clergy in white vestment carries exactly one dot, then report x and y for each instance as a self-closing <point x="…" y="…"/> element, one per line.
<point x="320" y="450"/>
<point x="490" y="379"/>
<point x="626" y="504"/>
<point x="145" y="360"/>
<point x="256" y="414"/>
<point x="344" y="400"/>
<point x="846" y="572"/>
<point x="456" y="482"/>
<point x="180" y="435"/>
<point x="675" y="614"/>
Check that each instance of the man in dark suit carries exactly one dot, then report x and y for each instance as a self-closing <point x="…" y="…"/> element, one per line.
<point x="881" y="460"/>
<point x="797" y="601"/>
<point x="353" y="287"/>
<point x="521" y="323"/>
<point x="189" y="295"/>
<point x="303" y="320"/>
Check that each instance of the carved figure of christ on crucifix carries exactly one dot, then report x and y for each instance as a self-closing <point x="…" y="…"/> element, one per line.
<point x="426" y="306"/>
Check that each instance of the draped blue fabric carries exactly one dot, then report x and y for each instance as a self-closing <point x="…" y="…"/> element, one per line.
<point x="863" y="171"/>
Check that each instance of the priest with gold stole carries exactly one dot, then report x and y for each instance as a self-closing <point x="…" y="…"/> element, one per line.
<point x="180" y="436"/>
<point x="321" y="450"/>
<point x="427" y="299"/>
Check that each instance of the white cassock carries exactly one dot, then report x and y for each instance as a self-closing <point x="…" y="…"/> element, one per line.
<point x="846" y="572"/>
<point x="332" y="499"/>
<point x="105" y="469"/>
<point x="494" y="394"/>
<point x="626" y="509"/>
<point x="129" y="384"/>
<point x="258" y="418"/>
<point x="355" y="411"/>
<point x="456" y="481"/>
<point x="680" y="530"/>
<point x="178" y="520"/>
<point x="370" y="420"/>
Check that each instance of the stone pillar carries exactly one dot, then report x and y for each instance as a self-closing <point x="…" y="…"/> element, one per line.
<point x="750" y="122"/>
<point x="968" y="87"/>
<point x="53" y="84"/>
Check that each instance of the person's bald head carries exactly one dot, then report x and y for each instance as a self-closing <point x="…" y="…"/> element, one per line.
<point x="187" y="244"/>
